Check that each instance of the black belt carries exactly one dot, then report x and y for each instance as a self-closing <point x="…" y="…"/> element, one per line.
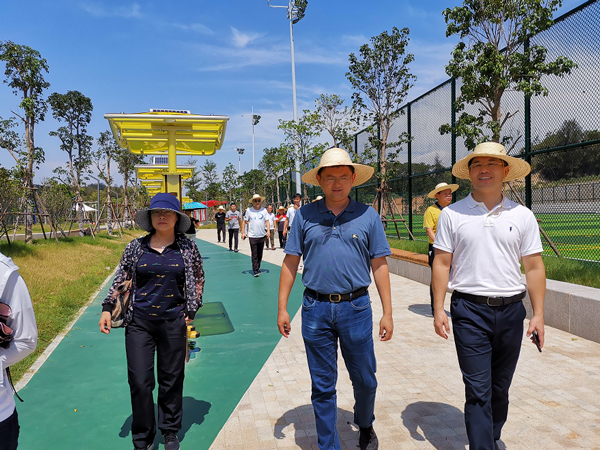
<point x="336" y="298"/>
<point x="490" y="301"/>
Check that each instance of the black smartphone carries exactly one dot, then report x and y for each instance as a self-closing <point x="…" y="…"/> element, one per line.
<point x="536" y="340"/>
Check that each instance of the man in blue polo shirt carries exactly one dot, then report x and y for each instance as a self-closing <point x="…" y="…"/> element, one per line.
<point x="341" y="240"/>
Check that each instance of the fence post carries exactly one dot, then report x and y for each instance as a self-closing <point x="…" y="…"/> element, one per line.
<point x="527" y="140"/>
<point x="453" y="135"/>
<point x="410" y="194"/>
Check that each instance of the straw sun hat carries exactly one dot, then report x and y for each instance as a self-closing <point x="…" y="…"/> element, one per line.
<point x="442" y="187"/>
<point x="256" y="196"/>
<point x="162" y="201"/>
<point x="518" y="167"/>
<point x="339" y="157"/>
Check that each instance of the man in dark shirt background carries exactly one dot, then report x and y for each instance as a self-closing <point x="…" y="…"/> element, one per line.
<point x="220" y="218"/>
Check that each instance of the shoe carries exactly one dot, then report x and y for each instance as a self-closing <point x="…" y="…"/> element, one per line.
<point x="256" y="274"/>
<point x="367" y="439"/>
<point x="148" y="447"/>
<point x="171" y="441"/>
<point x="230" y="249"/>
<point x="236" y="250"/>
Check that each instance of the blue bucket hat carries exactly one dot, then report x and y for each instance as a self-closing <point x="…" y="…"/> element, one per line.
<point x="162" y="201"/>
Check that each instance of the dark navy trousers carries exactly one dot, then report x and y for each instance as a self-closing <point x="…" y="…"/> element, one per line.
<point x="488" y="342"/>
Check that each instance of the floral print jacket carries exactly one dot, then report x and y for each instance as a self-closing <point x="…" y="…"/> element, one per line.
<point x="194" y="276"/>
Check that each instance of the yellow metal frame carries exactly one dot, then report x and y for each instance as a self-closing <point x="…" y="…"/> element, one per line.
<point x="159" y="133"/>
<point x="158" y="171"/>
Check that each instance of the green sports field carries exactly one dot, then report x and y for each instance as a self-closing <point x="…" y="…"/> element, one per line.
<point x="575" y="236"/>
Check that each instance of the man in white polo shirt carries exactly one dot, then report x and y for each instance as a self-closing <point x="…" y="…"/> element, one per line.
<point x="479" y="244"/>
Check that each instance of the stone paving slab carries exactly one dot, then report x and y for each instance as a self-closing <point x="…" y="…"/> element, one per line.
<point x="555" y="395"/>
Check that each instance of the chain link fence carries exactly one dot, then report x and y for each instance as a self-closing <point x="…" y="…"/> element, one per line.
<point x="559" y="134"/>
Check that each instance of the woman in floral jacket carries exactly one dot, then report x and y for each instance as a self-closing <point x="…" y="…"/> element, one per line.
<point x="167" y="284"/>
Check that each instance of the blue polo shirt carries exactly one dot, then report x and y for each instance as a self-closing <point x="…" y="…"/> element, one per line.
<point x="160" y="283"/>
<point x="337" y="250"/>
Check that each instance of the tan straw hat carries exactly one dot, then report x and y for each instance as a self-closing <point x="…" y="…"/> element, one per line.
<point x="281" y="207"/>
<point x="221" y="208"/>
<point x="339" y="157"/>
<point x="442" y="187"/>
<point x="255" y="196"/>
<point x="518" y="167"/>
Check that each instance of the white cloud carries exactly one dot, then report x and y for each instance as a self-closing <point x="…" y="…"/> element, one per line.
<point x="195" y="27"/>
<point x="132" y="11"/>
<point x="241" y="40"/>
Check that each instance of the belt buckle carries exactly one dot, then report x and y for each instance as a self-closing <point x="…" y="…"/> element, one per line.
<point x="488" y="301"/>
<point x="331" y="298"/>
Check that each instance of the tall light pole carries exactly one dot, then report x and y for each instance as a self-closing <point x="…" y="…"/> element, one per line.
<point x="240" y="152"/>
<point x="255" y="120"/>
<point x="295" y="12"/>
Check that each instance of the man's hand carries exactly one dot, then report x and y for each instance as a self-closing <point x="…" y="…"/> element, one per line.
<point x="283" y="323"/>
<point x="441" y="324"/>
<point x="536" y="324"/>
<point x="105" y="322"/>
<point x="187" y="320"/>
<point x="284" y="231"/>
<point x="386" y="328"/>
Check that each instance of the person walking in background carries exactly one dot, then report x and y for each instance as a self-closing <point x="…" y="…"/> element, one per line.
<point x="233" y="218"/>
<point x="18" y="338"/>
<point x="341" y="241"/>
<point x="443" y="195"/>
<point x="271" y="237"/>
<point x="167" y="285"/>
<point x="480" y="243"/>
<point x="220" y="218"/>
<point x="280" y="223"/>
<point x="291" y="212"/>
<point x="258" y="229"/>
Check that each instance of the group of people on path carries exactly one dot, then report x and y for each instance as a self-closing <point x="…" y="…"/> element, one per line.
<point x="477" y="243"/>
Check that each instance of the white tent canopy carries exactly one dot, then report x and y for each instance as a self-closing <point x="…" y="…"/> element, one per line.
<point x="86" y="208"/>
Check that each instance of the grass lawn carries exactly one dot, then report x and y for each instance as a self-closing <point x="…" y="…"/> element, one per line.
<point x="559" y="269"/>
<point x="61" y="278"/>
<point x="575" y="236"/>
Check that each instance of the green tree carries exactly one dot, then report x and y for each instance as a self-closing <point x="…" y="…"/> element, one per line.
<point x="252" y="182"/>
<point x="58" y="201"/>
<point x="381" y="80"/>
<point x="495" y="55"/>
<point x="230" y="181"/>
<point x="208" y="173"/>
<point x="126" y="162"/>
<point x="338" y="120"/>
<point x="108" y="148"/>
<point x="194" y="183"/>
<point x="24" y="71"/>
<point x="75" y="110"/>
<point x="303" y="132"/>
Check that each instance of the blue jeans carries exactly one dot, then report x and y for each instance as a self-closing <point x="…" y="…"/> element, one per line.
<point x="488" y="342"/>
<point x="323" y="324"/>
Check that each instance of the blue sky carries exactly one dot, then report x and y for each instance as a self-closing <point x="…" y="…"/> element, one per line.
<point x="211" y="57"/>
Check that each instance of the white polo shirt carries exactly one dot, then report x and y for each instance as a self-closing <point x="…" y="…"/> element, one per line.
<point x="487" y="246"/>
<point x="291" y="212"/>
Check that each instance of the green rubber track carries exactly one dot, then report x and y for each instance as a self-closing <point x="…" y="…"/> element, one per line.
<point x="79" y="399"/>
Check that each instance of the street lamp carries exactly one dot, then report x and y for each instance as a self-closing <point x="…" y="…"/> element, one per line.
<point x="255" y="120"/>
<point x="295" y="12"/>
<point x="241" y="152"/>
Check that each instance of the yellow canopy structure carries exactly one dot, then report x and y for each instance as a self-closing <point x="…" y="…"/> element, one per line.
<point x="172" y="133"/>
<point x="164" y="132"/>
<point x="158" y="171"/>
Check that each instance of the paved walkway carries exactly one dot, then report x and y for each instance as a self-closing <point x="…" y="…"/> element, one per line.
<point x="555" y="395"/>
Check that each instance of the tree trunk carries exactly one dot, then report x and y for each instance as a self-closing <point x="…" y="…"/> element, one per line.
<point x="29" y="127"/>
<point x="80" y="211"/>
<point x="277" y="186"/>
